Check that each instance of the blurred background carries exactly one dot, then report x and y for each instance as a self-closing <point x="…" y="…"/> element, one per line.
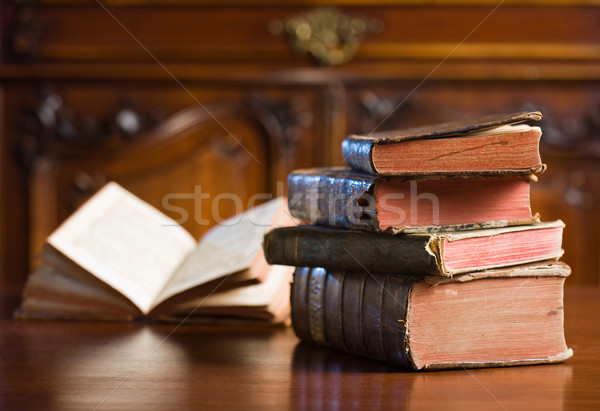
<point x="190" y="99"/>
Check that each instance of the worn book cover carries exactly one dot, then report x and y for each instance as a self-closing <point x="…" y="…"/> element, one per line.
<point x="340" y="197"/>
<point x="444" y="254"/>
<point x="489" y="145"/>
<point x="491" y="318"/>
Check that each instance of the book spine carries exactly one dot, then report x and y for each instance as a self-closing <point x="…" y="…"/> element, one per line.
<point x="350" y="250"/>
<point x="359" y="313"/>
<point x="358" y="154"/>
<point x="335" y="200"/>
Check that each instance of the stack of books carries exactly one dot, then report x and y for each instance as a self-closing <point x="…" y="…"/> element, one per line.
<point x="424" y="252"/>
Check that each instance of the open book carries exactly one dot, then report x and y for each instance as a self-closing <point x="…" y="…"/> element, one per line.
<point x="117" y="257"/>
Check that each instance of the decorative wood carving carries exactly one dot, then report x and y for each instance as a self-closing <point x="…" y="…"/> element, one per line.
<point x="581" y="135"/>
<point x="50" y="123"/>
<point x="375" y="109"/>
<point x="284" y="119"/>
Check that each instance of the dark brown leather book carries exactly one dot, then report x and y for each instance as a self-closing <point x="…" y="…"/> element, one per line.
<point x="443" y="254"/>
<point x="494" y="144"/>
<point x="486" y="319"/>
<point x="340" y="197"/>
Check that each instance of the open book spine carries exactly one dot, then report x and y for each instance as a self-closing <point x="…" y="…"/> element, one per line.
<point x="355" y="312"/>
<point x="350" y="250"/>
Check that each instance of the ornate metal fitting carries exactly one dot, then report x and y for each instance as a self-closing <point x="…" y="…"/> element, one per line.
<point x="331" y="37"/>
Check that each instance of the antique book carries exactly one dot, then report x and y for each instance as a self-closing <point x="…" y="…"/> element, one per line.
<point x="494" y="144"/>
<point x="444" y="254"/>
<point x="117" y="257"/>
<point x="485" y="319"/>
<point x="340" y="197"/>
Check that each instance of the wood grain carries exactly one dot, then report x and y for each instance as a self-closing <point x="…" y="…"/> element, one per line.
<point x="67" y="366"/>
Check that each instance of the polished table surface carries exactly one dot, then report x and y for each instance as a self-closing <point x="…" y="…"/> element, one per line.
<point x="87" y="366"/>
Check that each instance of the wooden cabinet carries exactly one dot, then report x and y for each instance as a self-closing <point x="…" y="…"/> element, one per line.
<point x="203" y="107"/>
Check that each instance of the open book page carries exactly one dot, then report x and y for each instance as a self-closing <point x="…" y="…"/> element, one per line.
<point x="225" y="249"/>
<point x="256" y="295"/>
<point x="48" y="284"/>
<point x="124" y="242"/>
<point x="267" y="302"/>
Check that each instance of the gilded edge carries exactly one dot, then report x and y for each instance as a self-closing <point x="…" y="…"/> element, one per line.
<point x="316" y="320"/>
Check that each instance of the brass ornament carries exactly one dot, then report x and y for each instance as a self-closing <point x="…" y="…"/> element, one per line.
<point x="330" y="37"/>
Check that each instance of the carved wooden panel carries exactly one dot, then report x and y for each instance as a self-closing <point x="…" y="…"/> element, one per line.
<point x="82" y="103"/>
<point x="201" y="165"/>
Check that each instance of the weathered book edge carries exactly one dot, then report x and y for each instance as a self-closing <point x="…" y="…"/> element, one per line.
<point x="382" y="334"/>
<point x="340" y="197"/>
<point x="329" y="196"/>
<point x="450" y="128"/>
<point x="341" y="249"/>
<point x="357" y="149"/>
<point x="358" y="154"/>
<point x="431" y="175"/>
<point x="386" y="339"/>
<point x="546" y="360"/>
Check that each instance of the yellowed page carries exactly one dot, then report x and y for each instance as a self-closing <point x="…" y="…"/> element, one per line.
<point x="256" y="295"/>
<point x="47" y="283"/>
<point x="226" y="248"/>
<point x="124" y="242"/>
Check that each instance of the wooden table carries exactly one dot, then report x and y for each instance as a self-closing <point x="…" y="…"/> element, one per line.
<point x="86" y="366"/>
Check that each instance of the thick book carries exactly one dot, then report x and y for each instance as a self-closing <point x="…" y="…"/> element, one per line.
<point x="117" y="257"/>
<point x="340" y="197"/>
<point x="444" y="254"/>
<point x="487" y="319"/>
<point x="494" y="144"/>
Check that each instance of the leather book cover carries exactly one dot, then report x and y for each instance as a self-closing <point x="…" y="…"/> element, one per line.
<point x="357" y="149"/>
<point x="350" y="250"/>
<point x="330" y="196"/>
<point x="370" y="315"/>
<point x="440" y="254"/>
<point x="341" y="197"/>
